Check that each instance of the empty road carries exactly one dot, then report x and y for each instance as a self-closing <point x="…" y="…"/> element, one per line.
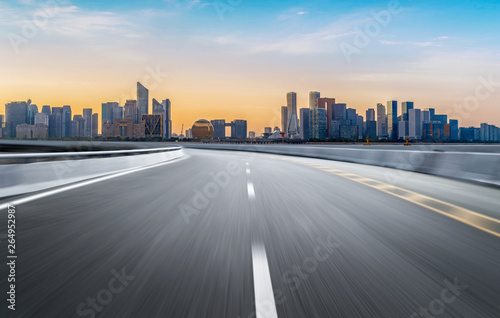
<point x="236" y="234"/>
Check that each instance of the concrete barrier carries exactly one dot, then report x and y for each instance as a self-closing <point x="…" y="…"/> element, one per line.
<point x="477" y="167"/>
<point x="20" y="178"/>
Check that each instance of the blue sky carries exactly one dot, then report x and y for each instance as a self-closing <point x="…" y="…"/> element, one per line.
<point x="431" y="52"/>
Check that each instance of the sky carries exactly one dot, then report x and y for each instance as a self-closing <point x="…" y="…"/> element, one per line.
<point x="237" y="59"/>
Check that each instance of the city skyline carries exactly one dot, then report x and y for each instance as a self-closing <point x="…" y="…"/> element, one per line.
<point x="237" y="65"/>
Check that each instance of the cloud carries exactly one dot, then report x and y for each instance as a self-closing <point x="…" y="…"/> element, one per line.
<point x="409" y="43"/>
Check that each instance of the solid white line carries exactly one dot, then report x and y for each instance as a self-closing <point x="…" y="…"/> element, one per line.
<point x="251" y="191"/>
<point x="82" y="184"/>
<point x="264" y="296"/>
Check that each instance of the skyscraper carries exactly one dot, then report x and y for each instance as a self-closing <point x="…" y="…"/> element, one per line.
<point x="167" y="106"/>
<point x="381" y="121"/>
<point x="46" y="109"/>
<point x="392" y="119"/>
<point x="454" y="129"/>
<point x="313" y="99"/>
<point x="370" y="114"/>
<point x="328" y="104"/>
<point x="142" y="101"/>
<point x="42" y="118"/>
<point x="95" y="125"/>
<point x="55" y="123"/>
<point x="15" y="114"/>
<point x="32" y="111"/>
<point x="293" y="122"/>
<point x="284" y="119"/>
<point x="109" y="111"/>
<point x="130" y="111"/>
<point x="415" y="123"/>
<point x="87" y="117"/>
<point x="405" y="108"/>
<point x="304" y="123"/>
<point x="317" y="123"/>
<point x="66" y="121"/>
<point x="239" y="129"/>
<point x="219" y="128"/>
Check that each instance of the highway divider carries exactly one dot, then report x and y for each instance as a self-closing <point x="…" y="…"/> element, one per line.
<point x="25" y="173"/>
<point x="476" y="167"/>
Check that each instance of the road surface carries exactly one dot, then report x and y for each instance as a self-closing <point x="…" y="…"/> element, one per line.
<point x="233" y="234"/>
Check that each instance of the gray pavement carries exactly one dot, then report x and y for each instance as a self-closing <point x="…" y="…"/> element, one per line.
<point x="176" y="241"/>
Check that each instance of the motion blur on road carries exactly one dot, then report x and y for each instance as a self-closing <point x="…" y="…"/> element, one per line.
<point x="214" y="233"/>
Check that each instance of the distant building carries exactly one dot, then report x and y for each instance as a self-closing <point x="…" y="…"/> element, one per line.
<point x="415" y="124"/>
<point x="251" y="134"/>
<point x="284" y="119"/>
<point x="87" y="116"/>
<point x="381" y="121"/>
<point x="55" y="123"/>
<point x="167" y="106"/>
<point x="95" y="125"/>
<point x="305" y="131"/>
<point x="142" y="101"/>
<point x="153" y="125"/>
<point x="32" y="110"/>
<point x="392" y="119"/>
<point x="24" y="131"/>
<point x="370" y="114"/>
<point x="239" y="129"/>
<point x="202" y="129"/>
<point x="66" y="121"/>
<point x="219" y="128"/>
<point x="402" y="129"/>
<point x="42" y="118"/>
<point x="405" y="108"/>
<point x="293" y="122"/>
<point x="46" y="110"/>
<point x="370" y="129"/>
<point x="15" y="114"/>
<point x="109" y="111"/>
<point x="130" y="110"/>
<point x="317" y="123"/>
<point x="328" y="104"/>
<point x="454" y="131"/>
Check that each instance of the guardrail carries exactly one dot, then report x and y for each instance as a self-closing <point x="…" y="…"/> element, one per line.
<point x="24" y="173"/>
<point x="476" y="167"/>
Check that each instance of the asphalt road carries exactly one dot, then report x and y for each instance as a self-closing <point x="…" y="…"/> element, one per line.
<point x="214" y="234"/>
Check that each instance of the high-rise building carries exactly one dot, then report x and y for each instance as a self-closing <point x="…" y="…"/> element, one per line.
<point x="360" y="125"/>
<point x="219" y="128"/>
<point x="284" y="119"/>
<point x="167" y="106"/>
<point x="87" y="117"/>
<point x="293" y="122"/>
<point x="66" y="121"/>
<point x="142" y="101"/>
<point x="402" y="129"/>
<point x="153" y="125"/>
<point x="57" y="130"/>
<point x="381" y="121"/>
<point x="42" y="118"/>
<point x="304" y="123"/>
<point x="392" y="119"/>
<point x="405" y="108"/>
<point x="370" y="114"/>
<point x="109" y="111"/>
<point x="370" y="129"/>
<point x="454" y="129"/>
<point x="239" y="129"/>
<point x="46" y="110"/>
<point x="415" y="124"/>
<point x="328" y="104"/>
<point x="15" y="114"/>
<point x="339" y="112"/>
<point x="317" y="123"/>
<point x="95" y="125"/>
<point x="268" y="130"/>
<point x="78" y="126"/>
<point x="313" y="99"/>
<point x="351" y="116"/>
<point x="130" y="111"/>
<point x="251" y="134"/>
<point x="32" y="111"/>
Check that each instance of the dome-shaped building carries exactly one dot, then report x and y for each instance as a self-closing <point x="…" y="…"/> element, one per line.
<point x="202" y="129"/>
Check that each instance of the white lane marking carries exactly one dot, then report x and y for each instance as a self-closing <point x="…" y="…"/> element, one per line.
<point x="247" y="164"/>
<point x="84" y="183"/>
<point x="248" y="171"/>
<point x="251" y="191"/>
<point x="264" y="296"/>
